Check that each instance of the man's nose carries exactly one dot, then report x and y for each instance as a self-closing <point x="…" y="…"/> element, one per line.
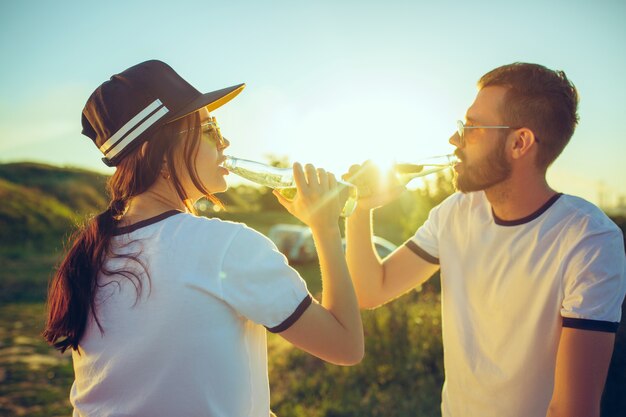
<point x="455" y="140"/>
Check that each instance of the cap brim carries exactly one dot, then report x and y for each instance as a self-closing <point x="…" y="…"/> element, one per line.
<point x="211" y="101"/>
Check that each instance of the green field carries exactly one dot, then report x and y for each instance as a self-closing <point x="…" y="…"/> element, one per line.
<point x="402" y="372"/>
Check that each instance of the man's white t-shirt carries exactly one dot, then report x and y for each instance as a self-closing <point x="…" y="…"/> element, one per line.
<point x="507" y="289"/>
<point x="194" y="342"/>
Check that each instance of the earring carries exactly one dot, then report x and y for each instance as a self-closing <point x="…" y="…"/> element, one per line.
<point x="164" y="171"/>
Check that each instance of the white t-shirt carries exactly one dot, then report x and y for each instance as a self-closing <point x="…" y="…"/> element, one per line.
<point x="194" y="343"/>
<point x="507" y="289"/>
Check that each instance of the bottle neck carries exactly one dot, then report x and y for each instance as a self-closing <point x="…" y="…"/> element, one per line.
<point x="405" y="172"/>
<point x="259" y="173"/>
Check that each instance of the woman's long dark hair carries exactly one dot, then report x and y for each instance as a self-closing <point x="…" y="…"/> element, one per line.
<point x="72" y="290"/>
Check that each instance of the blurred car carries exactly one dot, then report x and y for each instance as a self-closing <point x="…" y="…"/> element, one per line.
<point x="296" y="243"/>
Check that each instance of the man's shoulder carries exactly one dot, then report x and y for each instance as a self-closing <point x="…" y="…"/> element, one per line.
<point x="579" y="211"/>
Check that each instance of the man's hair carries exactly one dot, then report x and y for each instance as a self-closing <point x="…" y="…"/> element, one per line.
<point x="542" y="100"/>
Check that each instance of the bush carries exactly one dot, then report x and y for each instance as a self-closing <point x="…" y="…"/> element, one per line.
<point x="401" y="374"/>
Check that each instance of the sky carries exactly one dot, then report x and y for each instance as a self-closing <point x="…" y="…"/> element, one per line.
<point x="328" y="82"/>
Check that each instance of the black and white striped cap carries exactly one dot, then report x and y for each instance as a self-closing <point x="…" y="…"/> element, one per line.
<point x="126" y="110"/>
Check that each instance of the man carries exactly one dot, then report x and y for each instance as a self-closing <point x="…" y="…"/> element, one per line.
<point x="532" y="280"/>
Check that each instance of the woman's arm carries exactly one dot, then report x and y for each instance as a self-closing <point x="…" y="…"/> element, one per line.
<point x="331" y="330"/>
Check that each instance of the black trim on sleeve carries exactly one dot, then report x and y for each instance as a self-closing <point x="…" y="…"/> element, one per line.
<point x="421" y="252"/>
<point x="304" y="304"/>
<point x="595" y="325"/>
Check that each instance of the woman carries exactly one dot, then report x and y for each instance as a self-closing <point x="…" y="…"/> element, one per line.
<point x="165" y="312"/>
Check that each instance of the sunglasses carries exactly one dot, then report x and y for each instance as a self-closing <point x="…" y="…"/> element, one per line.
<point x="212" y="130"/>
<point x="460" y="128"/>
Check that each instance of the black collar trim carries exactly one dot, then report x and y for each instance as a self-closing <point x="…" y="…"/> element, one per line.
<point x="528" y="218"/>
<point x="147" y="222"/>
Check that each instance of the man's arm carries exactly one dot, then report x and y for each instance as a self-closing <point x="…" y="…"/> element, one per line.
<point x="582" y="364"/>
<point x="377" y="282"/>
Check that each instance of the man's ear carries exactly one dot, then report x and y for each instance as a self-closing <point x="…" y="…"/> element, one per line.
<point x="524" y="140"/>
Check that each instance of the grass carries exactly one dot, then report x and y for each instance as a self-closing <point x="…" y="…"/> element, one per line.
<point x="34" y="378"/>
<point x="25" y="275"/>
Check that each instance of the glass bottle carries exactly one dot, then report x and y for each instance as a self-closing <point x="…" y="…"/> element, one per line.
<point x="281" y="179"/>
<point x="405" y="172"/>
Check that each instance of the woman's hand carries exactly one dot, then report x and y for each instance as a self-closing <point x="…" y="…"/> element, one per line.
<point x="319" y="199"/>
<point x="373" y="188"/>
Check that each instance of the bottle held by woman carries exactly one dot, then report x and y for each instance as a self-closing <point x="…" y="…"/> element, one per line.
<point x="282" y="180"/>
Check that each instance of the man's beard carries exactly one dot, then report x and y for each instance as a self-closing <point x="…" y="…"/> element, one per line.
<point x="480" y="175"/>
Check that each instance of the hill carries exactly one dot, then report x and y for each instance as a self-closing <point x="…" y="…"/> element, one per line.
<point x="79" y="189"/>
<point x="40" y="202"/>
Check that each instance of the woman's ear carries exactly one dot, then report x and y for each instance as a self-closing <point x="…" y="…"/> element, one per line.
<point x="144" y="149"/>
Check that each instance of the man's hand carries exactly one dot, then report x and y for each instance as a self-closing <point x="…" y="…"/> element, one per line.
<point x="375" y="189"/>
<point x="319" y="199"/>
